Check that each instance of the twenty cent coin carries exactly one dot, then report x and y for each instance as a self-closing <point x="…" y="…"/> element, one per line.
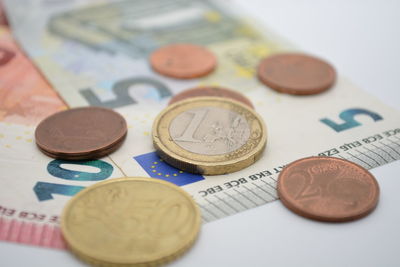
<point x="296" y="74"/>
<point x="328" y="189"/>
<point x="209" y="135"/>
<point x="81" y="133"/>
<point x="183" y="61"/>
<point x="211" y="91"/>
<point x="130" y="222"/>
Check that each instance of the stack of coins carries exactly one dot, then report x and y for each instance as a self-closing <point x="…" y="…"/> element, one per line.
<point x="208" y="130"/>
<point x="81" y="133"/>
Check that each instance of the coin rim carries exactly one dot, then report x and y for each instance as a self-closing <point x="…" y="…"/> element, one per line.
<point x="293" y="90"/>
<point x="80" y="252"/>
<point x="208" y="167"/>
<point x="245" y="100"/>
<point x="87" y="153"/>
<point x="85" y="156"/>
<point x="320" y="217"/>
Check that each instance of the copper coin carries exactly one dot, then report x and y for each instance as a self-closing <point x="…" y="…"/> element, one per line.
<point x="81" y="133"/>
<point x="296" y="74"/>
<point x="183" y="61"/>
<point x="328" y="189"/>
<point x="211" y="91"/>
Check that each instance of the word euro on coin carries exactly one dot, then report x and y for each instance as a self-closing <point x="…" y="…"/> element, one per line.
<point x="130" y="222"/>
<point x="209" y="135"/>
<point x="328" y="189"/>
<point x="296" y="74"/>
<point x="183" y="61"/>
<point x="211" y="91"/>
<point x="81" y="133"/>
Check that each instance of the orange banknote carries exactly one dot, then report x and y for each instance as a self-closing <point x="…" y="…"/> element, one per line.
<point x="25" y="96"/>
<point x="3" y="17"/>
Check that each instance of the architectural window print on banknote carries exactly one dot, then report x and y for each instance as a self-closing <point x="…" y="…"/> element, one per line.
<point x="25" y="97"/>
<point x="138" y="29"/>
<point x="110" y="42"/>
<point x="120" y="29"/>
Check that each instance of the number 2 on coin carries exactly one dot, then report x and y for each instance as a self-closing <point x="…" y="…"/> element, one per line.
<point x="348" y="119"/>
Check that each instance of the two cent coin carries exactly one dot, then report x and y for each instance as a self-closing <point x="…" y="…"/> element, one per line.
<point x="209" y="135"/>
<point x="296" y="74"/>
<point x="328" y="189"/>
<point x="130" y="222"/>
<point x="81" y="133"/>
<point x="183" y="61"/>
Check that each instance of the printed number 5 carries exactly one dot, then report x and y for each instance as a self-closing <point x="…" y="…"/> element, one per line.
<point x="348" y="117"/>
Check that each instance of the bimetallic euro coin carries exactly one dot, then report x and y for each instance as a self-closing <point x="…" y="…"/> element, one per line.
<point x="209" y="135"/>
<point x="130" y="222"/>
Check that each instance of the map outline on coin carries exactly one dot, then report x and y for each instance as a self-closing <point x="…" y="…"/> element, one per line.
<point x="212" y="163"/>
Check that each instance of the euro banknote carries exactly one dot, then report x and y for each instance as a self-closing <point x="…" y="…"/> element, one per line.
<point x="95" y="53"/>
<point x="25" y="99"/>
<point x="3" y="18"/>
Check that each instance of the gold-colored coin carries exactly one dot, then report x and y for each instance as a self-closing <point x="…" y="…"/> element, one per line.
<point x="209" y="135"/>
<point x="130" y="222"/>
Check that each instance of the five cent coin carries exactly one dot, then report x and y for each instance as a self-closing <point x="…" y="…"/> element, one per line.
<point x="211" y="91"/>
<point x="328" y="189"/>
<point x="296" y="74"/>
<point x="130" y="222"/>
<point x="183" y="61"/>
<point x="209" y="135"/>
<point x="81" y="133"/>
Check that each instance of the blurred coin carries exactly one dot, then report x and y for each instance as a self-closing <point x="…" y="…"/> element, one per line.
<point x="209" y="135"/>
<point x="81" y="133"/>
<point x="211" y="91"/>
<point x="183" y="61"/>
<point x="130" y="222"/>
<point x="296" y="74"/>
<point x="328" y="189"/>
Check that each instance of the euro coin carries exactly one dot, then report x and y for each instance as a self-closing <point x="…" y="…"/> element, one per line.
<point x="81" y="133"/>
<point x="130" y="222"/>
<point x="328" y="189"/>
<point x="297" y="74"/>
<point x="183" y="61"/>
<point x="209" y="135"/>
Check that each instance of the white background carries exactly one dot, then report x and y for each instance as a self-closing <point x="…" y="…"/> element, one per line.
<point x="362" y="40"/>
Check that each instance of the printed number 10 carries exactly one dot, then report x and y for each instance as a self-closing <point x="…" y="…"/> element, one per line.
<point x="44" y="191"/>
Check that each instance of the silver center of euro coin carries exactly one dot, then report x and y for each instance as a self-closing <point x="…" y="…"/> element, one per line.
<point x="209" y="130"/>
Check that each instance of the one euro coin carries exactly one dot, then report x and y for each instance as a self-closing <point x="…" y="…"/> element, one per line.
<point x="209" y="135"/>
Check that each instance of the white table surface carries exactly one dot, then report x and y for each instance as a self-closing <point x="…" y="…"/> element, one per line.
<point x="362" y="40"/>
